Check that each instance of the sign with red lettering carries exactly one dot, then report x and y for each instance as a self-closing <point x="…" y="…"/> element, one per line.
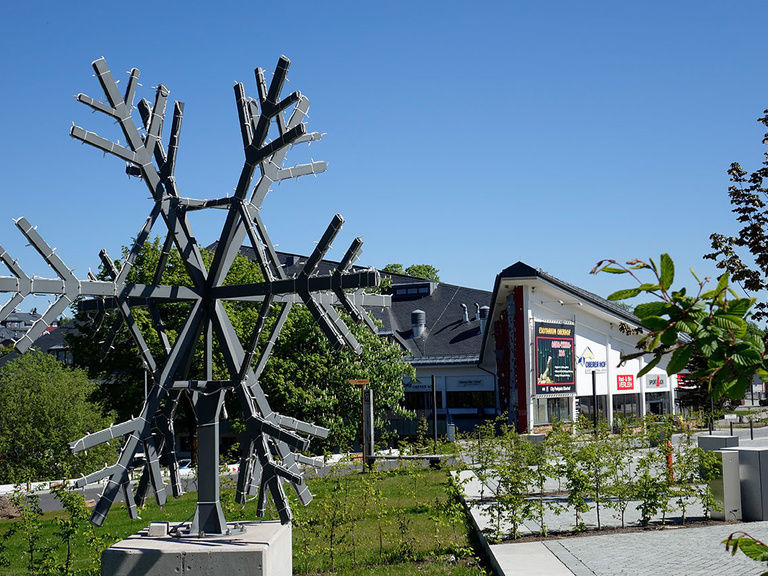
<point x="625" y="382"/>
<point x="656" y="381"/>
<point x="555" y="373"/>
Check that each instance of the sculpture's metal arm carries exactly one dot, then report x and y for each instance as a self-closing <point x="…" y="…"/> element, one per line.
<point x="358" y="314"/>
<point x="140" y="152"/>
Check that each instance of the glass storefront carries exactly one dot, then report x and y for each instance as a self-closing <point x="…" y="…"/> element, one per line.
<point x="549" y="410"/>
<point x="627" y="405"/>
<point x="657" y="403"/>
<point x="586" y="406"/>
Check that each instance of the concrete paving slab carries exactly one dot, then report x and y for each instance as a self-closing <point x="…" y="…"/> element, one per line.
<point x="528" y="558"/>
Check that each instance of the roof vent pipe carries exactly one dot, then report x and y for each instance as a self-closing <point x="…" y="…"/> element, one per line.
<point x="418" y="323"/>
<point x="483" y="318"/>
<point x="464" y="313"/>
<point x="477" y="311"/>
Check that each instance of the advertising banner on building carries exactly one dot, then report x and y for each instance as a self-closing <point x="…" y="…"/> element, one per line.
<point x="656" y="381"/>
<point x="625" y="382"/>
<point x="555" y="373"/>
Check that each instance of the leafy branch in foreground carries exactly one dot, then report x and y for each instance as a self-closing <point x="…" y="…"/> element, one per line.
<point x="711" y="325"/>
<point x="751" y="546"/>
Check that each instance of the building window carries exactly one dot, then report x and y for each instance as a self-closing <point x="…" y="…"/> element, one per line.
<point x="471" y="400"/>
<point x="585" y="407"/>
<point x="657" y="403"/>
<point x="627" y="405"/>
<point x="549" y="410"/>
<point x="422" y="400"/>
<point x="64" y="356"/>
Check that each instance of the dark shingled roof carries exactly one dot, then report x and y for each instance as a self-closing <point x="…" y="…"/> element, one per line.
<point x="447" y="339"/>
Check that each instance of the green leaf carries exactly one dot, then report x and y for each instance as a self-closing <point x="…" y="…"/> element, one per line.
<point x="667" y="271"/>
<point x="624" y="294"/>
<point x="722" y="282"/>
<point x="613" y="270"/>
<point x="746" y="355"/>
<point x="654" y="323"/>
<point x="650" y="309"/>
<point x="669" y="337"/>
<point x="708" y="347"/>
<point x="740" y="307"/>
<point x="650" y="366"/>
<point x="631" y="356"/>
<point x="679" y="359"/>
<point x="648" y="287"/>
<point x="751" y="548"/>
<point x="687" y="326"/>
<point x="729" y="322"/>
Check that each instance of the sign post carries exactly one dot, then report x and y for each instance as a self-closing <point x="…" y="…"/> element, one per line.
<point x="595" y="367"/>
<point x="594" y="400"/>
<point x="367" y="407"/>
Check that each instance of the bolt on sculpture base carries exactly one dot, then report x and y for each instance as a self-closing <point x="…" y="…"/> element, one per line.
<point x="262" y="549"/>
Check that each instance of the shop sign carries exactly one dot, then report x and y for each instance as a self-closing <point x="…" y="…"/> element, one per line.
<point x="684" y="382"/>
<point x="555" y="369"/>
<point x="588" y="361"/>
<point x="417" y="386"/>
<point x="453" y="383"/>
<point x="625" y="382"/>
<point x="656" y="381"/>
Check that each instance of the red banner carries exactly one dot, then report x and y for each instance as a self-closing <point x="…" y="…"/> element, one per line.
<point x="625" y="382"/>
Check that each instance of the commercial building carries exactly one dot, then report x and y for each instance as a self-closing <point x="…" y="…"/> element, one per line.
<point x="528" y="349"/>
<point x="556" y="350"/>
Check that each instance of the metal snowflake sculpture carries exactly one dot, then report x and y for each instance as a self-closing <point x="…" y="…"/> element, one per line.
<point x="273" y="445"/>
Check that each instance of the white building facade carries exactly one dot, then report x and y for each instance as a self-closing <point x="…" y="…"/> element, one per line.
<point x="556" y="350"/>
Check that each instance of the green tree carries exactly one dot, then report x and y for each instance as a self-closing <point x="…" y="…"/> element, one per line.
<point x="307" y="379"/>
<point x="425" y="271"/>
<point x="745" y="255"/>
<point x="394" y="269"/>
<point x="711" y="325"/>
<point x="43" y="406"/>
<point x="621" y="474"/>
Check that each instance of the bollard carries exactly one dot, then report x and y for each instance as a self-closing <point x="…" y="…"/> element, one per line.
<point x="731" y="427"/>
<point x="670" y="469"/>
<point x="751" y="430"/>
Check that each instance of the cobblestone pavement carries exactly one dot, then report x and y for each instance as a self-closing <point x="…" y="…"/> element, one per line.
<point x="668" y="552"/>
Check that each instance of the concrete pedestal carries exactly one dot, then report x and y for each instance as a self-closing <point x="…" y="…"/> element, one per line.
<point x="726" y="488"/>
<point x="753" y="468"/>
<point x="717" y="442"/>
<point x="264" y="549"/>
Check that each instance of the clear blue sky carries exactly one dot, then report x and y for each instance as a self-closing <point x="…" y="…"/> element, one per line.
<point x="465" y="135"/>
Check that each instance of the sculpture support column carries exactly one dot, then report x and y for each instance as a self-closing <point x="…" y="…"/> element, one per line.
<point x="209" y="517"/>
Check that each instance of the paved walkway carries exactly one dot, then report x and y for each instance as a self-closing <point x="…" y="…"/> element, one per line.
<point x="668" y="552"/>
<point x="671" y="551"/>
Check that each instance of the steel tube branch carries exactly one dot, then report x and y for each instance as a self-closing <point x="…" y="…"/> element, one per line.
<point x="365" y="279"/>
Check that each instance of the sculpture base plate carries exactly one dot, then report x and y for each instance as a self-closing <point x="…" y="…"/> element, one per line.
<point x="262" y="549"/>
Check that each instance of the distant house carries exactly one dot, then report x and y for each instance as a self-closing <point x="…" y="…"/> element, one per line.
<point x="53" y="341"/>
<point x="440" y="328"/>
<point x="19" y="322"/>
<point x="528" y="349"/>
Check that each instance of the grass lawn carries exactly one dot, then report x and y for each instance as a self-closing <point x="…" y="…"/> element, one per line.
<point x="395" y="523"/>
